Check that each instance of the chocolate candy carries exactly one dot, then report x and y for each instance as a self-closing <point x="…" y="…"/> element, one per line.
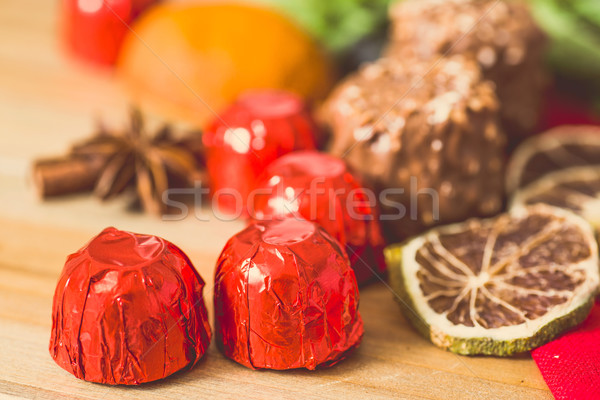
<point x="128" y="309"/>
<point x="430" y="144"/>
<point x="258" y="128"/>
<point x="320" y="188"/>
<point x="285" y="297"/>
<point x="500" y="35"/>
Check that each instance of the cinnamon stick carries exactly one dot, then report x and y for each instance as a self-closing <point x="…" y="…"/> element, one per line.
<point x="66" y="175"/>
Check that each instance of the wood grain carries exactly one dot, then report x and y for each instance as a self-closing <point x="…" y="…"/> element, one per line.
<point x="46" y="102"/>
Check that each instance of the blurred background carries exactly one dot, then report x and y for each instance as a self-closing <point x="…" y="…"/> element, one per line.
<point x="59" y="76"/>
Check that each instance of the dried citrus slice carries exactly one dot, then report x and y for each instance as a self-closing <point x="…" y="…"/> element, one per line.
<point x="498" y="286"/>
<point x="576" y="189"/>
<point x="559" y="148"/>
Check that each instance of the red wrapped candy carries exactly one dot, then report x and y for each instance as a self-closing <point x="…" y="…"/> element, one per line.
<point x="320" y="188"/>
<point x="257" y="129"/>
<point x="95" y="29"/>
<point x="128" y="309"/>
<point x="285" y="297"/>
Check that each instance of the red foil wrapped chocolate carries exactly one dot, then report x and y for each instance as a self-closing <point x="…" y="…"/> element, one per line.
<point x="94" y="29"/>
<point x="257" y="129"/>
<point x="320" y="188"/>
<point x="128" y="309"/>
<point x="286" y="297"/>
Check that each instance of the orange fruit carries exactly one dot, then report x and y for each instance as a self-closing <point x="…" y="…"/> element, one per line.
<point x="561" y="168"/>
<point x="560" y="148"/>
<point x="191" y="60"/>
<point x="498" y="286"/>
<point x="577" y="189"/>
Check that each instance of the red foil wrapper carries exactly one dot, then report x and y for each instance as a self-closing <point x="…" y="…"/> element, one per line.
<point x="286" y="297"/>
<point x="257" y="129"/>
<point x="320" y="188"/>
<point x="94" y="30"/>
<point x="128" y="309"/>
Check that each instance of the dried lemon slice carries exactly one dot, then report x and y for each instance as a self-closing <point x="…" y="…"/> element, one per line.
<point x="498" y="286"/>
<point x="576" y="189"/>
<point x="557" y="149"/>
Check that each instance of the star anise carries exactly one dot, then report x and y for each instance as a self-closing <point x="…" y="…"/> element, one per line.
<point x="151" y="163"/>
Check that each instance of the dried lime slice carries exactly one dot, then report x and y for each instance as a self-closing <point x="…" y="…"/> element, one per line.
<point x="498" y="286"/>
<point x="557" y="149"/>
<point x="576" y="189"/>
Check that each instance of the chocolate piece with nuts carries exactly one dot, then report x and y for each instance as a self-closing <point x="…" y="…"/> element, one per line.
<point x="501" y="36"/>
<point x="428" y="134"/>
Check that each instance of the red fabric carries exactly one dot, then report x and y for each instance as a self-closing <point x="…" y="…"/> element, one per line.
<point x="570" y="365"/>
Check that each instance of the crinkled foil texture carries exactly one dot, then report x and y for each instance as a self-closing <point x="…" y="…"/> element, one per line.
<point x="284" y="306"/>
<point x="128" y="309"/>
<point x="253" y="132"/>
<point x="320" y="188"/>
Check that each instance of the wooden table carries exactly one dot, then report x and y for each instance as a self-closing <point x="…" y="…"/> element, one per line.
<point x="46" y="102"/>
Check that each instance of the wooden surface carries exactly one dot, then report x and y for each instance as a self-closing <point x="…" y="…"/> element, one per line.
<point x="46" y="102"/>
